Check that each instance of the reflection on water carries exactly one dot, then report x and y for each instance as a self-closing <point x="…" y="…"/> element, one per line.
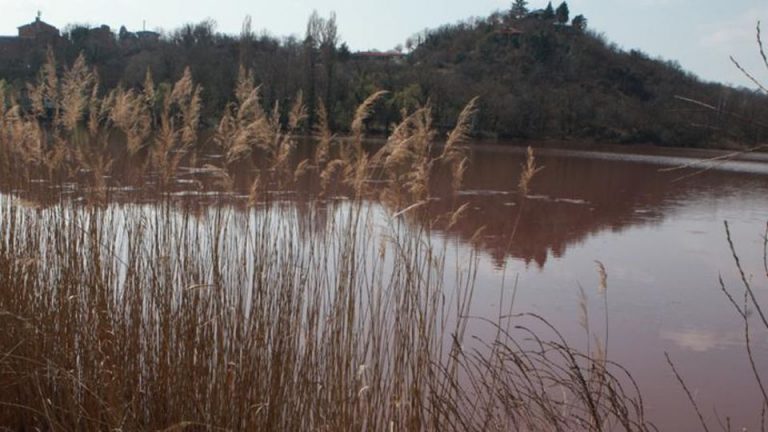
<point x="700" y="340"/>
<point x="658" y="232"/>
<point x="573" y="198"/>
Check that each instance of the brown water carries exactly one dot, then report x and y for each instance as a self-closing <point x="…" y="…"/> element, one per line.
<point x="660" y="235"/>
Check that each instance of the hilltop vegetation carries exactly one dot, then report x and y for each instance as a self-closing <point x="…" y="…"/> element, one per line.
<point x="539" y="75"/>
<point x="557" y="81"/>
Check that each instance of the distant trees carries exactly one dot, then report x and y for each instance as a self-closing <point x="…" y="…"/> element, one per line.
<point x="579" y="22"/>
<point x="549" y="12"/>
<point x="551" y="82"/>
<point x="247" y="38"/>
<point x="320" y="45"/>
<point x="124" y="35"/>
<point x="98" y="44"/>
<point x="519" y="9"/>
<point x="329" y="41"/>
<point x="311" y="44"/>
<point x="539" y="83"/>
<point x="562" y="13"/>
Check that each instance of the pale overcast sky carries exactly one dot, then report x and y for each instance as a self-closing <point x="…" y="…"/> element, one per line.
<point x="699" y="34"/>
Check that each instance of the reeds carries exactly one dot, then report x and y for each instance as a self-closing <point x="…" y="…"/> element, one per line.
<point x="334" y="316"/>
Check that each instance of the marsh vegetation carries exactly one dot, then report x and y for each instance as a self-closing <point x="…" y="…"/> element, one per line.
<point x="159" y="275"/>
<point x="248" y="313"/>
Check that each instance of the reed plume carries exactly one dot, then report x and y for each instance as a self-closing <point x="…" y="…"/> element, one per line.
<point x="352" y="161"/>
<point x="130" y="113"/>
<point x="244" y="126"/>
<point x="76" y="89"/>
<point x="186" y="95"/>
<point x="148" y="90"/>
<point x="529" y="171"/>
<point x="298" y="113"/>
<point x="98" y="110"/>
<point x="45" y="93"/>
<point x="362" y="113"/>
<point x="322" y="135"/>
<point x="178" y="130"/>
<point x="454" y="154"/>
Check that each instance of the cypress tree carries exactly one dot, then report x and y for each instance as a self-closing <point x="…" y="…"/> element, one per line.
<point x="562" y="13"/>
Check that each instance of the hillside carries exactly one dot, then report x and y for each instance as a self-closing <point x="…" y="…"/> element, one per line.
<point x="537" y="78"/>
<point x="540" y="79"/>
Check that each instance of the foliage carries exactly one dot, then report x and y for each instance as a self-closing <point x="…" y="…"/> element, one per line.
<point x="579" y="22"/>
<point x="562" y="12"/>
<point x="549" y="12"/>
<point x="519" y="8"/>
<point x="543" y="81"/>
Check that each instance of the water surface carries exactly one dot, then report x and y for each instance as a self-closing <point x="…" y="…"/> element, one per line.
<point x="660" y="235"/>
<point x="653" y="217"/>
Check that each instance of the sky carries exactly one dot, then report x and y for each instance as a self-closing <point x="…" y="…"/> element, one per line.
<point x="699" y="34"/>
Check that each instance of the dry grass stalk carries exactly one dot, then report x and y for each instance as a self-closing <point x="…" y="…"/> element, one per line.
<point x="76" y="89"/>
<point x="45" y="94"/>
<point x="322" y="135"/>
<point x="130" y="113"/>
<point x="298" y="113"/>
<point x="97" y="111"/>
<point x="245" y="127"/>
<point x="302" y="169"/>
<point x="362" y="113"/>
<point x="178" y="130"/>
<point x="329" y="172"/>
<point x="303" y="340"/>
<point x="223" y="180"/>
<point x="357" y="129"/>
<point x="457" y="215"/>
<point x="148" y="90"/>
<point x="453" y="153"/>
<point x="529" y="171"/>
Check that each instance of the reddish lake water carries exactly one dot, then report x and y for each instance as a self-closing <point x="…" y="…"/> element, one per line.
<point x="661" y="237"/>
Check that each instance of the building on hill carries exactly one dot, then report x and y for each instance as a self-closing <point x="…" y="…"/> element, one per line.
<point x="22" y="53"/>
<point x="11" y="47"/>
<point x="37" y="32"/>
<point x="139" y="39"/>
<point x="38" y="29"/>
<point x="148" y="36"/>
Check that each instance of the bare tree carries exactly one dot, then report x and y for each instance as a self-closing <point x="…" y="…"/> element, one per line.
<point x="246" y="40"/>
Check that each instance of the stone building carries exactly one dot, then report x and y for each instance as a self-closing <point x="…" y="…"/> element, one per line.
<point x="39" y="30"/>
<point x="36" y="33"/>
<point x="23" y="53"/>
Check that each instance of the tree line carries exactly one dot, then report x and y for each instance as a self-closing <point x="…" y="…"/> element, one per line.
<point x="539" y="75"/>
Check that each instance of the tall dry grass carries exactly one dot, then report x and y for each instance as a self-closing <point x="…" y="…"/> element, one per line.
<point x="331" y="315"/>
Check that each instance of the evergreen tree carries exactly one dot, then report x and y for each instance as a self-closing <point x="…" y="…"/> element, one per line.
<point x="519" y="8"/>
<point x="579" y="22"/>
<point x="562" y="13"/>
<point x="549" y="12"/>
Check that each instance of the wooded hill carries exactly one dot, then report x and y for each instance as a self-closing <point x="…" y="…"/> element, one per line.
<point x="538" y="74"/>
<point x="540" y="78"/>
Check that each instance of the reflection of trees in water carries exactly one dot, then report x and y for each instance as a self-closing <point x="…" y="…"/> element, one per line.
<point x="571" y="199"/>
